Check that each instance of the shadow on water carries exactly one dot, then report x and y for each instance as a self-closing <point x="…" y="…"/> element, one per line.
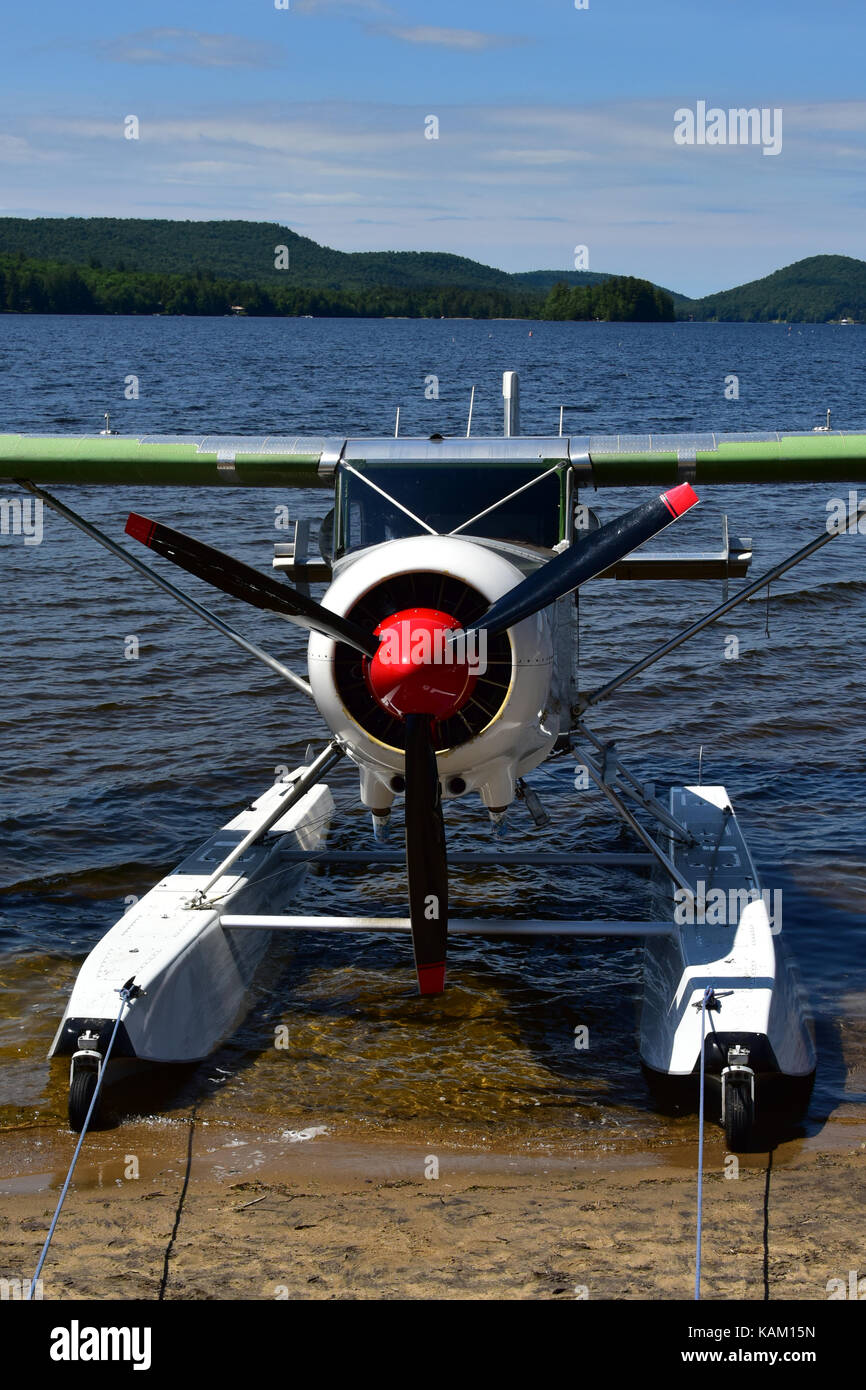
<point x="359" y="1040"/>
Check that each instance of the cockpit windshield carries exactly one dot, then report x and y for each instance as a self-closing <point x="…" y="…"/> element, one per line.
<point x="380" y="502"/>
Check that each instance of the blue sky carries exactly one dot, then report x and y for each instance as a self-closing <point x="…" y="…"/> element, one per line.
<point x="555" y="125"/>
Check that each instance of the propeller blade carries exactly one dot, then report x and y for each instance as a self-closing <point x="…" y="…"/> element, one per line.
<point x="243" y="582"/>
<point x="579" y="563"/>
<point x="425" y="856"/>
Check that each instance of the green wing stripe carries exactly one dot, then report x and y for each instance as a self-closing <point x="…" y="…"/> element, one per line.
<point x="728" y="459"/>
<point x="293" y="461"/>
<point x="155" y="461"/>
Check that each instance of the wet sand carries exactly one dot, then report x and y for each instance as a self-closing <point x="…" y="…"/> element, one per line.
<point x="215" y="1214"/>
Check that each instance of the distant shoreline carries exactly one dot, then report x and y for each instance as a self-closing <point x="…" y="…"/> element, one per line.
<point x="39" y="286"/>
<point x="153" y="265"/>
<point x="445" y="318"/>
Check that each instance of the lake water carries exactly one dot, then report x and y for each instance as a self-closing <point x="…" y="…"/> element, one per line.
<point x="112" y="769"/>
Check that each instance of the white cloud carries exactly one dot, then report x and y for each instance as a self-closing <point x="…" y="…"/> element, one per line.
<point x="467" y="40"/>
<point x="189" y="48"/>
<point x="610" y="174"/>
<point x="342" y="8"/>
<point x="323" y="199"/>
<point x="542" y="156"/>
<point x="390" y="25"/>
<point x="15" y="150"/>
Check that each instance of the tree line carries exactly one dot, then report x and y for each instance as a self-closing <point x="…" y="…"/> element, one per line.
<point x="236" y="250"/>
<point x="43" y="287"/>
<point x="622" y="298"/>
<point x="39" y="287"/>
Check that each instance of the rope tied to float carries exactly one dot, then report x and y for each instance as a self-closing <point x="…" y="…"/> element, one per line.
<point x="708" y="1001"/>
<point x="128" y="993"/>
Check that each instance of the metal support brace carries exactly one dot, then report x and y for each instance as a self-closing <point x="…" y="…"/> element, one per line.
<point x="295" y="789"/>
<point x="713" y="616"/>
<point x="494" y="927"/>
<point x="612" y="768"/>
<point x="568" y="859"/>
<point x="141" y="568"/>
<point x="622" y="810"/>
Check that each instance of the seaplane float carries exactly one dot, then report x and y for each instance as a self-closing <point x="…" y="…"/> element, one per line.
<point x="442" y="658"/>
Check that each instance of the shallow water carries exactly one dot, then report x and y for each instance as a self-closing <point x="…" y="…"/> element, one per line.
<point x="113" y="769"/>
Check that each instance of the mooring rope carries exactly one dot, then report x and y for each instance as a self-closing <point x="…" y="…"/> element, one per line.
<point x="706" y="1002"/>
<point x="128" y="992"/>
<point x="163" y="1283"/>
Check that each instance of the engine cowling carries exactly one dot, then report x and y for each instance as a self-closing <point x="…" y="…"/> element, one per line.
<point x="500" y="730"/>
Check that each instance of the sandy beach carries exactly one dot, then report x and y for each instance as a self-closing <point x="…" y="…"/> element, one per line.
<point x="213" y="1214"/>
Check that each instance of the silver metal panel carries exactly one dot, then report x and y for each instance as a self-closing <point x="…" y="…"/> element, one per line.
<point x="686" y="445"/>
<point x="511" y="397"/>
<point x="332" y="452"/>
<point x="543" y="448"/>
<point x="580" y="460"/>
<point x="651" y="443"/>
<point x="619" y="443"/>
<point x="214" y="443"/>
<point x="261" y="444"/>
<point x="777" y="437"/>
<point x="227" y="443"/>
<point x="207" y="443"/>
<point x="750" y="437"/>
<point x="550" y="446"/>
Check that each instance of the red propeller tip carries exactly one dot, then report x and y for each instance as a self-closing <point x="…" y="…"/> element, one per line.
<point x="431" y="978"/>
<point x="139" y="527"/>
<point x="680" y="498"/>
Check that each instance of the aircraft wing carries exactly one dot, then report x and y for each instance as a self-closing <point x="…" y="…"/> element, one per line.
<point x="619" y="460"/>
<point x="165" y="460"/>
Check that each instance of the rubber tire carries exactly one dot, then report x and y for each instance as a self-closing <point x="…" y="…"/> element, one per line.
<point x="739" y="1117"/>
<point x="80" y="1095"/>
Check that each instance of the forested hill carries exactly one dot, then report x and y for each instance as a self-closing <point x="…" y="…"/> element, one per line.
<point x="48" y="287"/>
<point x="235" y="251"/>
<point x="816" y="290"/>
<point x="142" y="265"/>
<point x="154" y="265"/>
<point x="541" y="281"/>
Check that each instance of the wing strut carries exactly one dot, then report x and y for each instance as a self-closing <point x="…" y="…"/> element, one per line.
<point x="592" y="698"/>
<point x="95" y="534"/>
